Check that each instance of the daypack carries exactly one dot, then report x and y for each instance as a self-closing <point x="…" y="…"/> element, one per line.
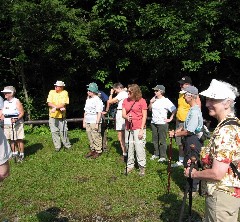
<point x="205" y="134"/>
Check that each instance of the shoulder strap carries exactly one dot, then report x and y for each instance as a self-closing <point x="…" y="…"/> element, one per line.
<point x="131" y="107"/>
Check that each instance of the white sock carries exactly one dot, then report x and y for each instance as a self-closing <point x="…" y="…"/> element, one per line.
<point x="124" y="154"/>
<point x="22" y="154"/>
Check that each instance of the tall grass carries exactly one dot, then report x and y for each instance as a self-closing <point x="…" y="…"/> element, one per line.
<point x="65" y="186"/>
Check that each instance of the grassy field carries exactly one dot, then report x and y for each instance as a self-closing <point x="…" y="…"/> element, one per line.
<point x="65" y="187"/>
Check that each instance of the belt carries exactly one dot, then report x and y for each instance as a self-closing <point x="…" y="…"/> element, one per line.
<point x="119" y="109"/>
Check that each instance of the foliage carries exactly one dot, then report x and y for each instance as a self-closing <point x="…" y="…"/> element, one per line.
<point x="65" y="186"/>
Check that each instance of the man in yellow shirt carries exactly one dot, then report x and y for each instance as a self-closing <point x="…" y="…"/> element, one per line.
<point x="57" y="101"/>
<point x="182" y="111"/>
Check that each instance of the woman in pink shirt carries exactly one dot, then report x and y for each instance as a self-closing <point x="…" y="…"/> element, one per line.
<point x="134" y="111"/>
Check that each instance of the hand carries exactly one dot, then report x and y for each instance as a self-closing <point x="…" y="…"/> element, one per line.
<point x="153" y="100"/>
<point x="167" y="120"/>
<point x="140" y="134"/>
<point x="104" y="112"/>
<point x="186" y="172"/>
<point x="84" y="125"/>
<point x="96" y="126"/>
<point x="112" y="91"/>
<point x="129" y="118"/>
<point x="14" y="120"/>
<point x="171" y="133"/>
<point x="62" y="109"/>
<point x="53" y="110"/>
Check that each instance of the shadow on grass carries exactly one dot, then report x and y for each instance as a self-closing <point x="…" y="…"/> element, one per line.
<point x="74" y="140"/>
<point x="51" y="215"/>
<point x="30" y="150"/>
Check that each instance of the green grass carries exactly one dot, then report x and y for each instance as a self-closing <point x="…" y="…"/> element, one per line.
<point x="64" y="186"/>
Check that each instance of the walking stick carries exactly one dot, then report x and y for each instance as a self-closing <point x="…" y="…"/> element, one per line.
<point x="169" y="165"/>
<point x="14" y="148"/>
<point x="129" y="132"/>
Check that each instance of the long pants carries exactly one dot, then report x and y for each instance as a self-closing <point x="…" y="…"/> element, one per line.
<point x="59" y="130"/>
<point x="134" y="143"/>
<point x="221" y="207"/>
<point x="159" y="137"/>
<point x="94" y="136"/>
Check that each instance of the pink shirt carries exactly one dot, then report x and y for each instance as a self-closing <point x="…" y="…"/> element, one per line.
<point x="136" y="112"/>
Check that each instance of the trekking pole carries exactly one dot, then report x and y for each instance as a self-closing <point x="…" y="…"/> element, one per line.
<point x="129" y="133"/>
<point x="13" y="138"/>
<point x="169" y="164"/>
<point x="188" y="190"/>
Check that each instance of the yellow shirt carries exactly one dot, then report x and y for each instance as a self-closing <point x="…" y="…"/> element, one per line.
<point x="57" y="99"/>
<point x="182" y="109"/>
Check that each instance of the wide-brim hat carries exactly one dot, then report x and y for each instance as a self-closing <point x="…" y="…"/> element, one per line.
<point x="190" y="89"/>
<point x="9" y="89"/>
<point x="93" y="87"/>
<point x="59" y="83"/>
<point x="218" y="90"/>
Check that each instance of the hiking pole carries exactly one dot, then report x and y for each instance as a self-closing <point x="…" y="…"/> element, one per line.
<point x="169" y="165"/>
<point x="14" y="148"/>
<point x="129" y="133"/>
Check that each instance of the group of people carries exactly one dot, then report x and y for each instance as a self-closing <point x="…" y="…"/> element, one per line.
<point x="220" y="158"/>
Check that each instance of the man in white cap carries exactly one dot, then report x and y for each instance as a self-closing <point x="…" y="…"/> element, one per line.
<point x="221" y="156"/>
<point x="57" y="101"/>
<point x="191" y="128"/>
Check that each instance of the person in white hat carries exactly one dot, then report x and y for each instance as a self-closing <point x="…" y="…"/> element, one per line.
<point x="221" y="156"/>
<point x="160" y="106"/>
<point x="57" y="101"/>
<point x="13" y="113"/>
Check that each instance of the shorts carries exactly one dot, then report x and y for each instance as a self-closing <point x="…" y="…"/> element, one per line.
<point x="14" y="133"/>
<point x="179" y="139"/>
<point x="120" y="122"/>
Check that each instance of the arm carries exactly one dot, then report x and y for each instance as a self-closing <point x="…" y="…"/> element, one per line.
<point x="4" y="170"/>
<point x="216" y="173"/>
<point x="171" y="117"/>
<point x="151" y="102"/>
<point x="144" y="119"/>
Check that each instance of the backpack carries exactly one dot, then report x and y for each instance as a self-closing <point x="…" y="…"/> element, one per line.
<point x="205" y="134"/>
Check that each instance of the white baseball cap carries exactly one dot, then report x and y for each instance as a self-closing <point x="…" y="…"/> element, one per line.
<point x="219" y="90"/>
<point x="9" y="89"/>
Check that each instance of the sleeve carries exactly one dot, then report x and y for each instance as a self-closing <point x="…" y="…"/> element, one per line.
<point x="192" y="123"/>
<point x="171" y="106"/>
<point x="65" y="97"/>
<point x="144" y="104"/>
<point x="227" y="144"/>
<point x="50" y="97"/>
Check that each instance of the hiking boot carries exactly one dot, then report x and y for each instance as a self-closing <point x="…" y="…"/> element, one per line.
<point x="91" y="153"/>
<point x="142" y="171"/>
<point x="154" y="157"/>
<point x="96" y="155"/>
<point x="20" y="158"/>
<point x="129" y="170"/>
<point x="162" y="159"/>
<point x="177" y="164"/>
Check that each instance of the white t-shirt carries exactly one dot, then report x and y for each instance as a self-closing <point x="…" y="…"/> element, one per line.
<point x="120" y="97"/>
<point x="93" y="106"/>
<point x="160" y="109"/>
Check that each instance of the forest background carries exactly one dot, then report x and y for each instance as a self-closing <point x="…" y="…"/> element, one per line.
<point x="107" y="41"/>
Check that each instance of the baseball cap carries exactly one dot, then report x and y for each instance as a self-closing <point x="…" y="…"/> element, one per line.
<point x="159" y="87"/>
<point x="190" y="89"/>
<point x="220" y="90"/>
<point x="185" y="79"/>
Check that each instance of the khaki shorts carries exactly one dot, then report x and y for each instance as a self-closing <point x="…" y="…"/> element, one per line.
<point x="120" y="122"/>
<point x="14" y="133"/>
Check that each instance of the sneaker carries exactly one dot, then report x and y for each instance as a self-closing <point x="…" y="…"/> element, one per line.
<point x="162" y="159"/>
<point x="154" y="157"/>
<point x="142" y="171"/>
<point x="177" y="164"/>
<point x="96" y="155"/>
<point x="20" y="158"/>
<point x="129" y="170"/>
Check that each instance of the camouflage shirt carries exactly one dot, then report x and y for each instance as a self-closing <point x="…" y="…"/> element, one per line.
<point x="223" y="146"/>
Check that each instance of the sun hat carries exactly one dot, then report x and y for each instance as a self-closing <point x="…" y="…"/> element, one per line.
<point x="185" y="79"/>
<point x="9" y="89"/>
<point x="219" y="90"/>
<point x="93" y="87"/>
<point x="59" y="83"/>
<point x="190" y="89"/>
<point x="159" y="87"/>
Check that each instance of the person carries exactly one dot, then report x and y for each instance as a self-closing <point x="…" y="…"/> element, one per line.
<point x="57" y="101"/>
<point x="182" y="111"/>
<point x="92" y="121"/>
<point x="5" y="155"/>
<point x="220" y="156"/>
<point x="13" y="113"/>
<point x="160" y="106"/>
<point x="134" y="111"/>
<point x="122" y="94"/>
<point x="191" y="129"/>
<point x="1" y="107"/>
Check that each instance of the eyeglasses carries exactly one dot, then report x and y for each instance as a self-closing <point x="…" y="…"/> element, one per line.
<point x="156" y="91"/>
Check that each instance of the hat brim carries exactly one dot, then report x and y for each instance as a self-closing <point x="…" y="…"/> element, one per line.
<point x="183" y="92"/>
<point x="7" y="91"/>
<point x="155" y="88"/>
